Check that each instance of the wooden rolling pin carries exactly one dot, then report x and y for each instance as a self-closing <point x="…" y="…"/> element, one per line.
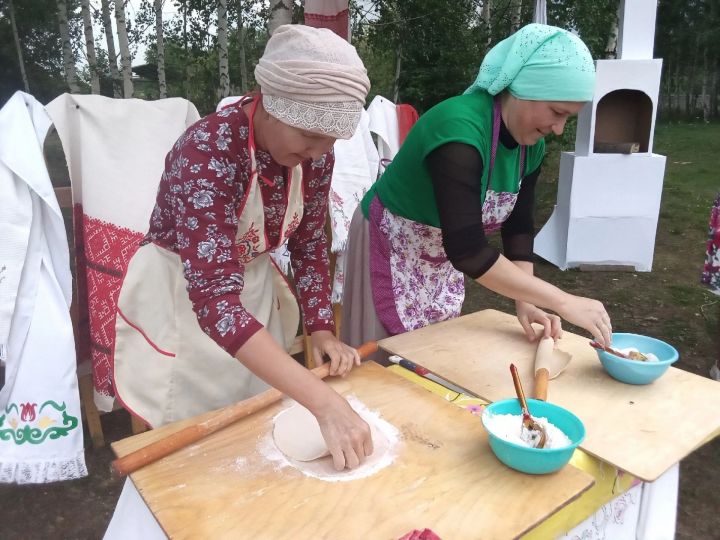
<point x="601" y="147"/>
<point x="222" y="418"/>
<point x="542" y="371"/>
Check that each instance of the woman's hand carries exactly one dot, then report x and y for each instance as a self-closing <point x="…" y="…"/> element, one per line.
<point x="529" y="313"/>
<point x="346" y="434"/>
<point x="342" y="357"/>
<point x="588" y="314"/>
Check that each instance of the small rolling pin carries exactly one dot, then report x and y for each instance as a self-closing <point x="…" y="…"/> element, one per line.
<point x="222" y="418"/>
<point x="542" y="371"/>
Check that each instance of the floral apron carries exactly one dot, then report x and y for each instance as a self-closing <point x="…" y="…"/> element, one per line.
<point x="165" y="367"/>
<point x="711" y="269"/>
<point x="413" y="282"/>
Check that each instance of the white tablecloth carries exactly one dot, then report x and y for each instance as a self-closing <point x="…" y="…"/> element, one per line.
<point x="644" y="512"/>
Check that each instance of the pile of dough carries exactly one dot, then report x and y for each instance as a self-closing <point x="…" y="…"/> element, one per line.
<point x="297" y="434"/>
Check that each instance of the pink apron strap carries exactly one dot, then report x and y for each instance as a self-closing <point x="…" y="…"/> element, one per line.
<point x="497" y="118"/>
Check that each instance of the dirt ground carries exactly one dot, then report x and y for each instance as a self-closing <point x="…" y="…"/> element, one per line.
<point x="667" y="303"/>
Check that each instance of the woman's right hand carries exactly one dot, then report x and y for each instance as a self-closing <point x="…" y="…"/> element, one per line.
<point x="588" y="314"/>
<point x="346" y="434"/>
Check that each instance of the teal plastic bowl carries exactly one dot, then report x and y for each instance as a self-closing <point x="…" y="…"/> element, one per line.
<point x="535" y="460"/>
<point x="634" y="371"/>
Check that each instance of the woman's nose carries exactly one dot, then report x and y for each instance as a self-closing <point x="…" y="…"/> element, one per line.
<point x="316" y="151"/>
<point x="559" y="126"/>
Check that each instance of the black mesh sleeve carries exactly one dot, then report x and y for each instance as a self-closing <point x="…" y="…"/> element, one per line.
<point x="518" y="230"/>
<point x="456" y="172"/>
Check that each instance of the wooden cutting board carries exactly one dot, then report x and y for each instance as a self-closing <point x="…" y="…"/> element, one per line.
<point x="444" y="477"/>
<point x="643" y="430"/>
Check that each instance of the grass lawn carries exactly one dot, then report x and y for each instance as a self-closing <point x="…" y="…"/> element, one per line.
<point x="668" y="303"/>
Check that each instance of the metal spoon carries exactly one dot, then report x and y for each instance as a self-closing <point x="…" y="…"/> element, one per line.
<point x="540" y="437"/>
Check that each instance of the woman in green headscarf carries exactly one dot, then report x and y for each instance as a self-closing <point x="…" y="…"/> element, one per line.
<point x="468" y="168"/>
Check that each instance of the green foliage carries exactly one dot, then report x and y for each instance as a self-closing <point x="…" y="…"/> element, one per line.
<point x="191" y="59"/>
<point x="591" y="19"/>
<point x="687" y="38"/>
<point x="439" y="45"/>
<point x="37" y="27"/>
<point x="438" y="48"/>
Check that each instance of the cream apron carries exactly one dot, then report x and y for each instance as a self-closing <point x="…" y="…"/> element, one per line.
<point x="413" y="282"/>
<point x="165" y="367"/>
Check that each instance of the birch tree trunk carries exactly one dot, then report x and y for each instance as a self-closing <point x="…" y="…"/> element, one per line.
<point x="18" y="46"/>
<point x="160" y="49"/>
<point x="714" y="93"/>
<point x="280" y="13"/>
<point x="516" y="16"/>
<point x="112" y="55"/>
<point x="396" y="83"/>
<point x="223" y="49"/>
<point x="611" y="46"/>
<point x="68" y="59"/>
<point x="186" y="82"/>
<point x="540" y="12"/>
<point x="488" y="22"/>
<point x="125" y="60"/>
<point x="690" y="84"/>
<point x="242" y="31"/>
<point x="704" y="93"/>
<point x="678" y="87"/>
<point x="668" y="64"/>
<point x="90" y="46"/>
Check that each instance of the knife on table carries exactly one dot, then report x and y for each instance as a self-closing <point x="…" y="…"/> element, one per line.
<point x="429" y="375"/>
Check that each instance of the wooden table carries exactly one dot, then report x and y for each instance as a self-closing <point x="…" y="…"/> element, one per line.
<point x="444" y="477"/>
<point x="643" y="430"/>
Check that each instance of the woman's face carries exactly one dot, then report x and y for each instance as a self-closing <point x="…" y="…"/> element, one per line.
<point x="289" y="146"/>
<point x="529" y="121"/>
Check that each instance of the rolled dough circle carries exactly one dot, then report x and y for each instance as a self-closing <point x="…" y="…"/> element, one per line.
<point x="297" y="434"/>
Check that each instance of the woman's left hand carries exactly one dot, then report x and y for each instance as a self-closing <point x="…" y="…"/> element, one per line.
<point x="342" y="357"/>
<point x="528" y="313"/>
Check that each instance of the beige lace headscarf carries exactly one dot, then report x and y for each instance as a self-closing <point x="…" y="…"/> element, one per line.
<point x="311" y="78"/>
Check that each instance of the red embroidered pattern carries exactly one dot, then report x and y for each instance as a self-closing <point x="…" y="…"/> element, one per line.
<point x="294" y="223"/>
<point x="102" y="255"/>
<point x="337" y="23"/>
<point x="249" y="244"/>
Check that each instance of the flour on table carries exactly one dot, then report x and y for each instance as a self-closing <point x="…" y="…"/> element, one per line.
<point x="386" y="439"/>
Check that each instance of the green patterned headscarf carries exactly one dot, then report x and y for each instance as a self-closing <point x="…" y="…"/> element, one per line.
<point x="538" y="63"/>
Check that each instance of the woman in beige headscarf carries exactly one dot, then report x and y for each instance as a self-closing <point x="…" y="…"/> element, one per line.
<point x="204" y="316"/>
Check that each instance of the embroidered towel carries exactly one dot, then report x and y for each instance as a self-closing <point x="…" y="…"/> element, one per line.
<point x="115" y="149"/>
<point x="330" y="14"/>
<point x="41" y="437"/>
